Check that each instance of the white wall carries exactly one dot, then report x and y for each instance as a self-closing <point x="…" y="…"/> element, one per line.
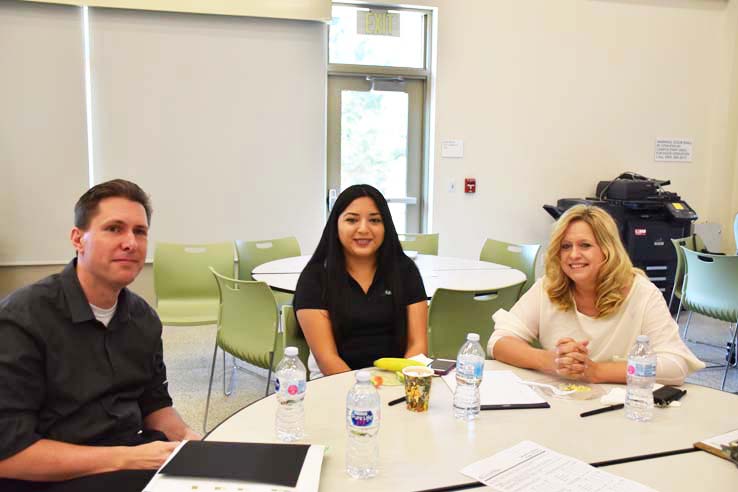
<point x="551" y="97"/>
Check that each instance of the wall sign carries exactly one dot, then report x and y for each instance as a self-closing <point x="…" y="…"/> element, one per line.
<point x="378" y="23"/>
<point x="673" y="150"/>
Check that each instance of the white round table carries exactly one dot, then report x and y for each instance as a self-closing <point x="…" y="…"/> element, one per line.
<point x="427" y="450"/>
<point x="436" y="271"/>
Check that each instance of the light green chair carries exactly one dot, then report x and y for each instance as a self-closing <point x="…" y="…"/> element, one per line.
<point x="454" y="313"/>
<point x="711" y="289"/>
<point x="254" y="253"/>
<point x="247" y="328"/>
<point x="291" y="335"/>
<point x="694" y="243"/>
<point x="185" y="292"/>
<point x="519" y="256"/>
<point x="425" y="244"/>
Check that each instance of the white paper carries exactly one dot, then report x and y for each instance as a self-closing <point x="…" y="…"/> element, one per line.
<point x="452" y="148"/>
<point x="499" y="388"/>
<point x="308" y="481"/>
<point x="530" y="467"/>
<point x="673" y="150"/>
<point x="723" y="439"/>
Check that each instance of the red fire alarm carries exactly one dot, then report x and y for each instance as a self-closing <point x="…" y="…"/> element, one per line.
<point x="470" y="185"/>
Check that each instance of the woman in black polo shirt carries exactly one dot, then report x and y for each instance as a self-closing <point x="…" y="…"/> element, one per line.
<point x="360" y="297"/>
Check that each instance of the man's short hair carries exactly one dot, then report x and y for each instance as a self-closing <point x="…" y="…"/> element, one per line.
<point x="86" y="206"/>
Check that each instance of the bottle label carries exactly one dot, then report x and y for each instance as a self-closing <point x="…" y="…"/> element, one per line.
<point x="362" y="418"/>
<point x="470" y="369"/>
<point x="642" y="369"/>
<point x="292" y="388"/>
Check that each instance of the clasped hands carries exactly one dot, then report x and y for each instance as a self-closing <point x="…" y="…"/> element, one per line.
<point x="571" y="360"/>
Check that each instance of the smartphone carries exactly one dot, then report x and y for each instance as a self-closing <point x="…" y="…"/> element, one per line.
<point x="442" y="366"/>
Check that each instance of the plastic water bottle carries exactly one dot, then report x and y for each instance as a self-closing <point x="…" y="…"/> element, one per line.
<point x="641" y="376"/>
<point x="362" y="424"/>
<point x="289" y="386"/>
<point x="469" y="372"/>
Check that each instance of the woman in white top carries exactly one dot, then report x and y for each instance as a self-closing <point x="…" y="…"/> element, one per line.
<point x="588" y="310"/>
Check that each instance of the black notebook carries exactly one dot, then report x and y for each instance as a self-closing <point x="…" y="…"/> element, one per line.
<point x="274" y="464"/>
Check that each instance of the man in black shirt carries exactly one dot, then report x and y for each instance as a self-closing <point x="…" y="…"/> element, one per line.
<point x="83" y="387"/>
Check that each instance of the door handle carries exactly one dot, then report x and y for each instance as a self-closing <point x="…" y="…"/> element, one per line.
<point x="407" y="200"/>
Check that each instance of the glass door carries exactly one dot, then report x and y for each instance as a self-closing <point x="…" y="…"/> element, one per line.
<point x="375" y="136"/>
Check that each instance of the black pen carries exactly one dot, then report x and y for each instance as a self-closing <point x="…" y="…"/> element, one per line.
<point x="395" y="402"/>
<point x="602" y="410"/>
<point x="514" y="406"/>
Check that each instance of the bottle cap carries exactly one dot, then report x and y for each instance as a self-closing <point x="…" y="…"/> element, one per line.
<point x="290" y="351"/>
<point x="642" y="338"/>
<point x="363" y="376"/>
<point x="473" y="337"/>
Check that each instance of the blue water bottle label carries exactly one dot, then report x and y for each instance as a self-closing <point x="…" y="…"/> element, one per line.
<point x="642" y="370"/>
<point x="478" y="370"/>
<point x="362" y="418"/>
<point x="471" y="369"/>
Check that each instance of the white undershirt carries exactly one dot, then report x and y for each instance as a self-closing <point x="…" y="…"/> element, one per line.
<point x="104" y="315"/>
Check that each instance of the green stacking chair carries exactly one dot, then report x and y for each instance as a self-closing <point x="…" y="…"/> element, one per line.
<point x="247" y="328"/>
<point x="694" y="243"/>
<point x="676" y="290"/>
<point x="291" y="336"/>
<point x="711" y="289"/>
<point x="254" y="253"/>
<point x="185" y="292"/>
<point x="519" y="256"/>
<point x="425" y="244"/>
<point x="454" y="313"/>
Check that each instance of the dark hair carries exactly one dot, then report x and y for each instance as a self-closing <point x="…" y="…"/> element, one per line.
<point x="329" y="254"/>
<point x="86" y="206"/>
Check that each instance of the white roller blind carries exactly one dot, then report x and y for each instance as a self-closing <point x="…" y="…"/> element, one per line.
<point x="43" y="147"/>
<point x="220" y="119"/>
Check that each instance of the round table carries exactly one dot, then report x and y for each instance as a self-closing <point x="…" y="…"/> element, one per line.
<point x="436" y="271"/>
<point x="427" y="450"/>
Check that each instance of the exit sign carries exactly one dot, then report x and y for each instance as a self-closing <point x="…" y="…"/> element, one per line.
<point x="378" y="23"/>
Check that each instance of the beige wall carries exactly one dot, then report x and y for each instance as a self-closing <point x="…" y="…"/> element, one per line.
<point x="551" y="97"/>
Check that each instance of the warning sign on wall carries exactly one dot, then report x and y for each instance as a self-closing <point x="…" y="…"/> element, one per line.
<point x="673" y="150"/>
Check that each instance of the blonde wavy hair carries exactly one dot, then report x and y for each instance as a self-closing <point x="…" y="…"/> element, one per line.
<point x="616" y="272"/>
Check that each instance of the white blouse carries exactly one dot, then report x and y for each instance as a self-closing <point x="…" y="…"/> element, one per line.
<point x="644" y="312"/>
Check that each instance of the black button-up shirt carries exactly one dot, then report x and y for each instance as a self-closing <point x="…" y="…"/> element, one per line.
<point x="65" y="376"/>
<point x="372" y="320"/>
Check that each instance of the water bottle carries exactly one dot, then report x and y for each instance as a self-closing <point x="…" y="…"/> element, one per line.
<point x="469" y="372"/>
<point x="641" y="375"/>
<point x="362" y="424"/>
<point x="289" y="386"/>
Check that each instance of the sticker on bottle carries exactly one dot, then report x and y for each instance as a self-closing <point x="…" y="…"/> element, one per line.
<point x="471" y="369"/>
<point x="362" y="418"/>
<point x="642" y="370"/>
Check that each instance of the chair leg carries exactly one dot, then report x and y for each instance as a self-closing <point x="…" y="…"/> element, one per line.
<point x="686" y="327"/>
<point x="730" y="356"/>
<point x="679" y="309"/>
<point x="233" y="375"/>
<point x="210" y="387"/>
<point x="671" y="297"/>
<point x="269" y="374"/>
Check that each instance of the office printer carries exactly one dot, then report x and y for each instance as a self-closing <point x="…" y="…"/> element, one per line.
<point x="648" y="217"/>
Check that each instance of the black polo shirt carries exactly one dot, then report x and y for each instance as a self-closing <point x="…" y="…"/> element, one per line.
<point x="371" y="315"/>
<point x="65" y="376"/>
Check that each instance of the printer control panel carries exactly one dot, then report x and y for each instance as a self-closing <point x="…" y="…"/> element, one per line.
<point x="681" y="211"/>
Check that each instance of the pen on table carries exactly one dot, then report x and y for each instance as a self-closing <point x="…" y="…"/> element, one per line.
<point x="395" y="402"/>
<point x="602" y="410"/>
